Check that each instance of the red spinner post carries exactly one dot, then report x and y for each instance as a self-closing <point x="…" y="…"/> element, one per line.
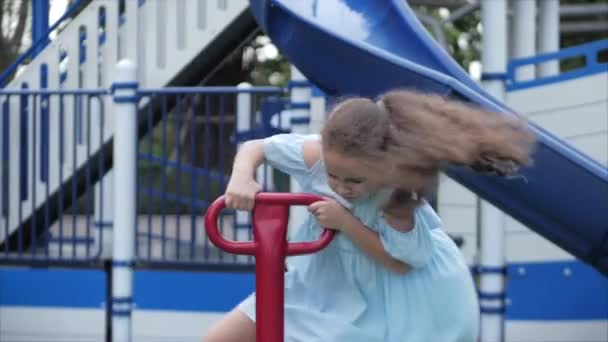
<point x="270" y="248"/>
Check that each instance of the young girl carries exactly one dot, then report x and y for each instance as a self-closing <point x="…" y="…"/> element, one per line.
<point x="392" y="274"/>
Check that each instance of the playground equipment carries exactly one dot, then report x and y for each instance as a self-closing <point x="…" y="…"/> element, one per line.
<point x="70" y="78"/>
<point x="270" y="247"/>
<point x="389" y="48"/>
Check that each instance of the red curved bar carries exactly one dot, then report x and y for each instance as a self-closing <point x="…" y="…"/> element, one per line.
<point x="271" y="198"/>
<point x="214" y="235"/>
<point x="298" y="248"/>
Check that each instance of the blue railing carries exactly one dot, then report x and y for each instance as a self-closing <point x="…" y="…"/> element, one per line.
<point x="185" y="164"/>
<point x="41" y="209"/>
<point x="188" y="139"/>
<point x="589" y="52"/>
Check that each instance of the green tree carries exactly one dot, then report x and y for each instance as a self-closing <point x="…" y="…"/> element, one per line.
<point x="13" y="27"/>
<point x="462" y="36"/>
<point x="263" y="63"/>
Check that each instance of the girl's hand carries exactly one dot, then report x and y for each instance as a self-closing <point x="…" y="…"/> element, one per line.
<point x="331" y="214"/>
<point x="240" y="193"/>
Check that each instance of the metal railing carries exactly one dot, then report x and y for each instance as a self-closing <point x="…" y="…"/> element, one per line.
<point x="56" y="180"/>
<point x="184" y="164"/>
<point x="50" y="159"/>
<point x="593" y="59"/>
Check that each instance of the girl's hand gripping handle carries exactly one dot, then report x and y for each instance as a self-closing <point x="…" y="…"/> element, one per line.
<point x="271" y="211"/>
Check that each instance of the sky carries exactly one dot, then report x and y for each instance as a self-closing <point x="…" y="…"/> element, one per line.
<point x="57" y="8"/>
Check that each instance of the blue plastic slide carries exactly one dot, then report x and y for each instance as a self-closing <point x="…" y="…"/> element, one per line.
<point x="362" y="47"/>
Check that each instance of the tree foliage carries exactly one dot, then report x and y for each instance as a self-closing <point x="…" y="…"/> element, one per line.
<point x="14" y="22"/>
<point x="262" y="67"/>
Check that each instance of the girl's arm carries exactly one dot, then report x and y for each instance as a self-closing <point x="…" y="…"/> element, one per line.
<point x="403" y="238"/>
<point x="281" y="151"/>
<point x="369" y="241"/>
<point x="330" y="214"/>
<point x="399" y="245"/>
<point x="242" y="187"/>
<point x="406" y="240"/>
<point x="362" y="236"/>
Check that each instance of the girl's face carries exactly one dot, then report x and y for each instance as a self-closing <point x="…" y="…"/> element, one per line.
<point x="345" y="177"/>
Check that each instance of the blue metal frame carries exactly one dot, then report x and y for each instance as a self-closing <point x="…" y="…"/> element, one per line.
<point x="589" y="51"/>
<point x="40" y="23"/>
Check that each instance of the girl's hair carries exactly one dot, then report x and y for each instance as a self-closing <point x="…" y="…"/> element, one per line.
<point x="405" y="138"/>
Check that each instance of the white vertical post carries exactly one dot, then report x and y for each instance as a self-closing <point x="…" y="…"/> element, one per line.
<point x="104" y="214"/>
<point x="548" y="35"/>
<point x="317" y="111"/>
<point x="130" y="44"/>
<point x="300" y="119"/>
<point x="523" y="36"/>
<point x="245" y="117"/>
<point x="492" y="258"/>
<point x="125" y="149"/>
<point x="300" y="102"/>
<point x="243" y="124"/>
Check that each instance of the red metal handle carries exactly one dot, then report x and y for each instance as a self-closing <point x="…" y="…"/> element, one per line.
<point x="267" y="198"/>
<point x="269" y="245"/>
<point x="213" y="212"/>
<point x="288" y="199"/>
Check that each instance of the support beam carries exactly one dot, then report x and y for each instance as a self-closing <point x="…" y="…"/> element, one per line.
<point x="548" y="35"/>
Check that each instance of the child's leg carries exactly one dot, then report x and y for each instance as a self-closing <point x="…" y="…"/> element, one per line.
<point x="235" y="327"/>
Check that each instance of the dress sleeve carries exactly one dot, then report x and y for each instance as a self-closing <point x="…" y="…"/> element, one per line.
<point x="414" y="247"/>
<point x="285" y="153"/>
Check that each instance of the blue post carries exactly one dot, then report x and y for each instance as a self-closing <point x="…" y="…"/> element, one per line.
<point x="40" y="22"/>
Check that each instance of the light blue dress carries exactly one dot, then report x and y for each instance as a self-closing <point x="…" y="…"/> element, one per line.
<point x="340" y="294"/>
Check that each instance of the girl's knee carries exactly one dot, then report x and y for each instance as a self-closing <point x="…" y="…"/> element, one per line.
<point x="215" y="335"/>
<point x="235" y="327"/>
<point x="221" y="332"/>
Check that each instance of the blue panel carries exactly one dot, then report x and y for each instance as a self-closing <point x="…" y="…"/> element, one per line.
<point x="53" y="288"/>
<point x="191" y="291"/>
<point x="153" y="290"/>
<point x="556" y="291"/>
<point x="373" y="46"/>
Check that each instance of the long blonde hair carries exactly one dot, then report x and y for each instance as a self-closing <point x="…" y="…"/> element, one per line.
<point x="405" y="138"/>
